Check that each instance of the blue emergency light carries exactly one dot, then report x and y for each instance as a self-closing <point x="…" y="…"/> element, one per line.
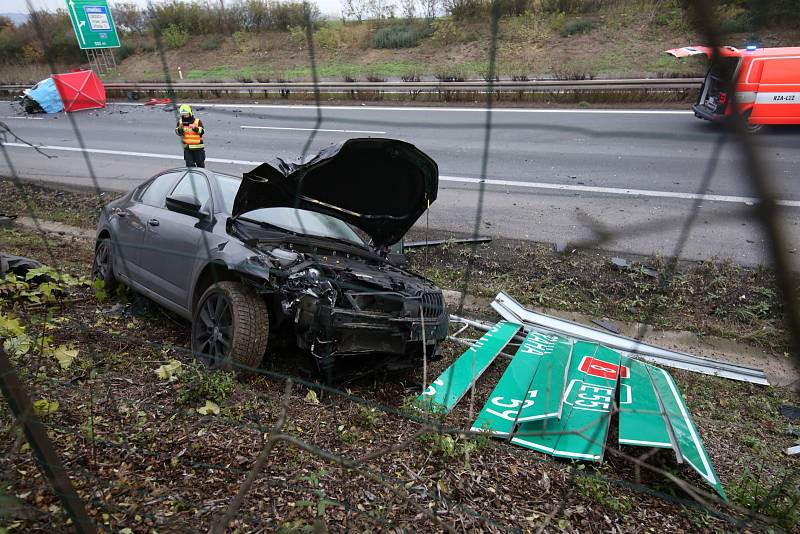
<point x="752" y="47"/>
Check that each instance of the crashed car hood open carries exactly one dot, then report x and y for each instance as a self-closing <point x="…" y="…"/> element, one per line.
<point x="381" y="186"/>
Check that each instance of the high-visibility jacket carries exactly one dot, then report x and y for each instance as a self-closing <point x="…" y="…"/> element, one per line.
<point x="191" y="139"/>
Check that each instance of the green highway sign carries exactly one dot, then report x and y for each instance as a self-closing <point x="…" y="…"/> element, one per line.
<point x="641" y="418"/>
<point x="581" y="431"/>
<point x="687" y="438"/>
<point x="93" y="24"/>
<point x="455" y="381"/>
<point x="512" y="391"/>
<point x="546" y="389"/>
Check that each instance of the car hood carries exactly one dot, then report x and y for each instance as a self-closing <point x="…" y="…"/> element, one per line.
<point x="380" y="186"/>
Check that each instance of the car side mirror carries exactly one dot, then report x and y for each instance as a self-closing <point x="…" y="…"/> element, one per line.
<point x="186" y="204"/>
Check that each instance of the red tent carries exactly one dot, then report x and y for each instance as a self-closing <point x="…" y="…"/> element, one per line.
<point x="80" y="90"/>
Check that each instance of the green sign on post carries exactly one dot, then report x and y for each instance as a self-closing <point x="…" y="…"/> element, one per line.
<point x="93" y="24"/>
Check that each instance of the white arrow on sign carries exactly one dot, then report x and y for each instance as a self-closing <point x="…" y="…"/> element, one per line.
<point x="80" y="23"/>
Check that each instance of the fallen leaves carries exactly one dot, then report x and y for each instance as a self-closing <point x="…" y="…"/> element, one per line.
<point x="64" y="354"/>
<point x="44" y="407"/>
<point x="208" y="408"/>
<point x="169" y="371"/>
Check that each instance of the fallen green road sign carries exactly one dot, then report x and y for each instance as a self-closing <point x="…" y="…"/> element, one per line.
<point x="455" y="381"/>
<point x="689" y="446"/>
<point x="642" y="419"/>
<point x="546" y="389"/>
<point x="513" y="391"/>
<point x="581" y="431"/>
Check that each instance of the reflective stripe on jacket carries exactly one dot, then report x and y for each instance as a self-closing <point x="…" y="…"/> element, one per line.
<point x="190" y="138"/>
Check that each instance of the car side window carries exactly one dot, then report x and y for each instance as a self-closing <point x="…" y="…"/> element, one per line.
<point x="193" y="185"/>
<point x="156" y="193"/>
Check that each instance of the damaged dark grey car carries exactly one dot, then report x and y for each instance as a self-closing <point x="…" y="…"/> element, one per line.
<point x="279" y="255"/>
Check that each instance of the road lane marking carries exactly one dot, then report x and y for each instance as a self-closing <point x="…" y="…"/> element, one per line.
<point x="426" y="109"/>
<point x="455" y="179"/>
<point x="308" y="129"/>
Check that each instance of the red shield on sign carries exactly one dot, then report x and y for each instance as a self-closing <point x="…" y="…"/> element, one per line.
<point x="595" y="367"/>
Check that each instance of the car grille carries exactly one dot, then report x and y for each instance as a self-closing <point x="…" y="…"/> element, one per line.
<point x="432" y="304"/>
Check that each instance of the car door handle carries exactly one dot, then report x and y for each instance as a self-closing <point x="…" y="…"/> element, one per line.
<point x="153" y="222"/>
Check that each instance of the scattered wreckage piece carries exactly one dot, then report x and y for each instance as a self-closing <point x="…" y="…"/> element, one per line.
<point x="579" y="433"/>
<point x="793" y="450"/>
<point x="18" y="265"/>
<point x="455" y="381"/>
<point x="512" y="392"/>
<point x="435" y="242"/>
<point x="511" y="310"/>
<point x="557" y="397"/>
<point x="652" y="413"/>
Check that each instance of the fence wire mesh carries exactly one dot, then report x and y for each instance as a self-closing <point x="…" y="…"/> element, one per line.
<point x="146" y="448"/>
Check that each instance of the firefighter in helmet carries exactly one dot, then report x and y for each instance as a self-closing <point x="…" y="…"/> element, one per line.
<point x="191" y="130"/>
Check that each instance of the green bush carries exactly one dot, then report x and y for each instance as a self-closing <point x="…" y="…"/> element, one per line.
<point x="577" y="26"/>
<point x="446" y="32"/>
<point x="199" y="385"/>
<point x="297" y="36"/>
<point x="125" y="50"/>
<point x="327" y="38"/>
<point x="212" y="42"/>
<point x="175" y="36"/>
<point x="399" y="36"/>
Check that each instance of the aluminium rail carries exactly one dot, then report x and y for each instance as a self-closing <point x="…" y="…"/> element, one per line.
<point x="511" y="310"/>
<point x="538" y="85"/>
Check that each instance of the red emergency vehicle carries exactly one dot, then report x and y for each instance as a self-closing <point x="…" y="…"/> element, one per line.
<point x="767" y="84"/>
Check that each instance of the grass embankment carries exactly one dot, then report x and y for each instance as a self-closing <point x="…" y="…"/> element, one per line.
<point x="568" y="40"/>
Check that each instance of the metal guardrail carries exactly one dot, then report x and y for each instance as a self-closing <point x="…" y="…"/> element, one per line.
<point x="546" y="85"/>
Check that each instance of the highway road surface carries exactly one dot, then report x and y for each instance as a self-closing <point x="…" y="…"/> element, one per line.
<point x="551" y="175"/>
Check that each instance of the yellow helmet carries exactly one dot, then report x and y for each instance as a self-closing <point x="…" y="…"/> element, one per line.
<point x="185" y="110"/>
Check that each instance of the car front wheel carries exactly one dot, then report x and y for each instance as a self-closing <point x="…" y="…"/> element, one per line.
<point x="230" y="327"/>
<point x="102" y="265"/>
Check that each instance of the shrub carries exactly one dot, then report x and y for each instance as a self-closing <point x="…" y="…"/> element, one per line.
<point x="327" y="38"/>
<point x="199" y="385"/>
<point x="576" y="26"/>
<point x="297" y="36"/>
<point x="125" y="50"/>
<point x="400" y="36"/>
<point x="175" y="36"/>
<point x="212" y="42"/>
<point x="445" y="32"/>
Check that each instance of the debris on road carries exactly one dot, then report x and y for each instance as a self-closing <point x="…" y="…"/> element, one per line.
<point x="625" y="265"/>
<point x="452" y="241"/>
<point x="790" y="412"/>
<point x="608" y="325"/>
<point x="17" y="265"/>
<point x="158" y="101"/>
<point x="511" y="310"/>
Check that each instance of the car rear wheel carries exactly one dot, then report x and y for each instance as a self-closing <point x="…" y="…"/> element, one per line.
<point x="102" y="266"/>
<point x="230" y="327"/>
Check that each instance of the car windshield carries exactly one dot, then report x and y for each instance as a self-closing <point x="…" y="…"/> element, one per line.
<point x="293" y="220"/>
